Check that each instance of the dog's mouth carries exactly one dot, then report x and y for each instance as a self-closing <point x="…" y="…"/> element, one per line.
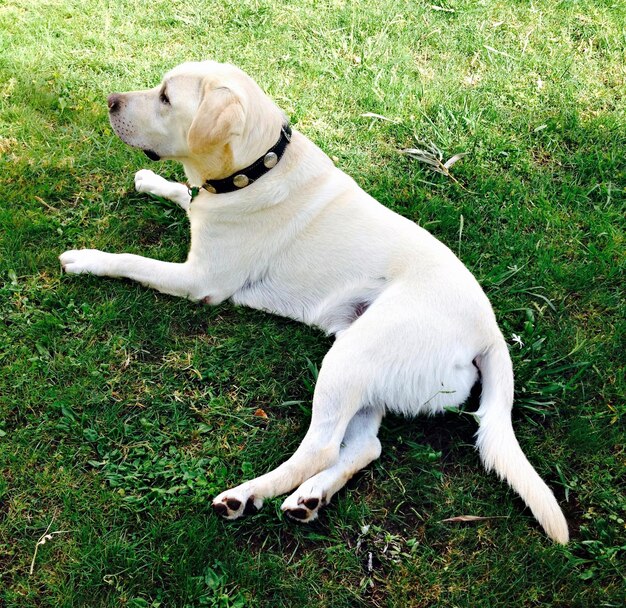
<point x="152" y="155"/>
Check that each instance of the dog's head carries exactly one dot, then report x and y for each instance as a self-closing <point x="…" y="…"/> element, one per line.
<point x="212" y="117"/>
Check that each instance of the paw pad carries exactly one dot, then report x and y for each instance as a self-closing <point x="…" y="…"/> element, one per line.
<point x="250" y="508"/>
<point x="233" y="504"/>
<point x="221" y="509"/>
<point x="300" y="514"/>
<point x="312" y="503"/>
<point x="232" y="508"/>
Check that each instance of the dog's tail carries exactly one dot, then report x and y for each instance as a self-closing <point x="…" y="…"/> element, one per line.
<point x="499" y="449"/>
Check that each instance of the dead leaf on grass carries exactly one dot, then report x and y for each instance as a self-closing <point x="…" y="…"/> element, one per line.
<point x="431" y="155"/>
<point x="465" y="518"/>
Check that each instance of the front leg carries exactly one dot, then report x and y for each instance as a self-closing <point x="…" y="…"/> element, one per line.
<point x="182" y="280"/>
<point x="148" y="181"/>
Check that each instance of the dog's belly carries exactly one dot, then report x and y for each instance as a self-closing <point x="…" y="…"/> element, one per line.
<point x="332" y="309"/>
<point x="283" y="300"/>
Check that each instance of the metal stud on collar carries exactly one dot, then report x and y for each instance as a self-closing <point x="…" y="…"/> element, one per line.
<point x="241" y="180"/>
<point x="270" y="160"/>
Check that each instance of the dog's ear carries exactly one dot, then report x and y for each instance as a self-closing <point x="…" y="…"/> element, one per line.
<point x="219" y="116"/>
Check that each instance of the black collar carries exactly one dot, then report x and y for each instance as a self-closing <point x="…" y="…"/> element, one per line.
<point x="251" y="173"/>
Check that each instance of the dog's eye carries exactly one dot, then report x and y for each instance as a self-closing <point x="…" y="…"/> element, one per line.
<point x="164" y="98"/>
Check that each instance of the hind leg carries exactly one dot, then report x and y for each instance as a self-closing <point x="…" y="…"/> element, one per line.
<point x="360" y="446"/>
<point x="338" y="397"/>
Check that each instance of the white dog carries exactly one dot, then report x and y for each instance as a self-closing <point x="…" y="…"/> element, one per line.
<point x="276" y="226"/>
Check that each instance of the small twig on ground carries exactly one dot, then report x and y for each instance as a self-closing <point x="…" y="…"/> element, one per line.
<point x="44" y="538"/>
<point x="395" y="121"/>
<point x="46" y="205"/>
<point x="472" y="518"/>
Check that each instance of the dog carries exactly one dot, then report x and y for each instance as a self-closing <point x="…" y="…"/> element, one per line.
<point x="276" y="226"/>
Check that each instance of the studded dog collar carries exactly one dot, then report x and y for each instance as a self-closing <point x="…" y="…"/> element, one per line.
<point x="251" y="173"/>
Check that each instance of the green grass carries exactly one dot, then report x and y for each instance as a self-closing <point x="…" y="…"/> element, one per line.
<point x="123" y="411"/>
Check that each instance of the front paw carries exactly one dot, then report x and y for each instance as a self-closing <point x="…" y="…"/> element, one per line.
<point x="234" y="503"/>
<point x="81" y="261"/>
<point x="149" y="182"/>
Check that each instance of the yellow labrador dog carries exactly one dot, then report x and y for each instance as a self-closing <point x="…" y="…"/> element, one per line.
<point x="276" y="226"/>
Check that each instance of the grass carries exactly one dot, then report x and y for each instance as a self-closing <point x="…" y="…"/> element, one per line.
<point x="122" y="411"/>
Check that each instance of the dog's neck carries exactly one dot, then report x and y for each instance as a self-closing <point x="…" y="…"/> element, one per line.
<point x="242" y="177"/>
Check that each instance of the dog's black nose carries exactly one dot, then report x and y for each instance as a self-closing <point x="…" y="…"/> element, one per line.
<point x="114" y="102"/>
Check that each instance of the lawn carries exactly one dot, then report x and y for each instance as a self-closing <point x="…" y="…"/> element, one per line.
<point x="124" y="411"/>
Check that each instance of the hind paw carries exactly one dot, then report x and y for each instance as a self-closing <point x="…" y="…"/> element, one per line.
<point x="233" y="504"/>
